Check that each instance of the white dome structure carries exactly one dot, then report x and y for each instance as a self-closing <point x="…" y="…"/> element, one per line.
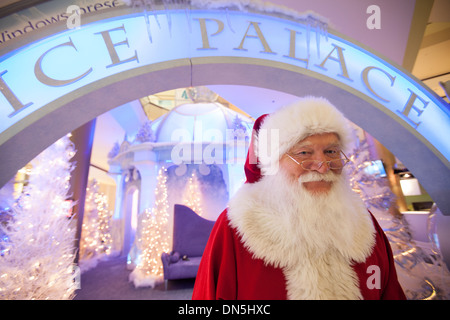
<point x="203" y="139"/>
<point x="200" y="122"/>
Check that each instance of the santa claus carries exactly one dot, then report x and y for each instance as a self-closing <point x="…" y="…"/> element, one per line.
<point x="295" y="229"/>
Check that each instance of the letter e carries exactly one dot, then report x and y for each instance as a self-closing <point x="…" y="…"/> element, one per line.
<point x="410" y="106"/>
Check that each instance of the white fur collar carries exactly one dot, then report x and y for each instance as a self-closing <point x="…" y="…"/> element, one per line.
<point x="314" y="269"/>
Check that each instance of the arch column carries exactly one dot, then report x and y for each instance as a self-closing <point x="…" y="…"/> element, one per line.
<point x="82" y="138"/>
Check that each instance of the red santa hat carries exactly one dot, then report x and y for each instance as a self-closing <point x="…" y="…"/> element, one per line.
<point x="274" y="134"/>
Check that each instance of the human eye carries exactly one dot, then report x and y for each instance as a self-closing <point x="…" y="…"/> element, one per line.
<point x="332" y="152"/>
<point x="302" y="153"/>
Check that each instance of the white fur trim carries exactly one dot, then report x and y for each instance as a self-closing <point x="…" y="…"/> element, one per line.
<point x="315" y="267"/>
<point x="282" y="129"/>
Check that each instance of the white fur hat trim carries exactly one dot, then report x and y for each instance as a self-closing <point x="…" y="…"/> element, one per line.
<point x="282" y="129"/>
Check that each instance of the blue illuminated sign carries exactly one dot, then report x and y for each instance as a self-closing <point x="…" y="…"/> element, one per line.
<point x="35" y="75"/>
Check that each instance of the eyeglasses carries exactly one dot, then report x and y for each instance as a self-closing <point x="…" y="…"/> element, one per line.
<point x="335" y="164"/>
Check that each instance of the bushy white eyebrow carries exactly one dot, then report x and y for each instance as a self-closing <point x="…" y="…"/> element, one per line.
<point x="309" y="144"/>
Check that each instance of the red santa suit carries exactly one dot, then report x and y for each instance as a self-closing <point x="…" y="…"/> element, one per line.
<point x="257" y="253"/>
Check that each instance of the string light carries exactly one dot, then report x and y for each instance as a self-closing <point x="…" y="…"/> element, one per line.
<point x="192" y="195"/>
<point x="96" y="239"/>
<point x="154" y="235"/>
<point x="39" y="248"/>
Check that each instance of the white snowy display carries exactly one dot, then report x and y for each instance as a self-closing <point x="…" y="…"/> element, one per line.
<point x="37" y="260"/>
<point x="192" y="195"/>
<point x="421" y="271"/>
<point x="145" y="133"/>
<point x="153" y="238"/>
<point x="95" y="242"/>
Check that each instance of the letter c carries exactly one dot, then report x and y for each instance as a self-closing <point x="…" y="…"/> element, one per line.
<point x="265" y="311"/>
<point x="43" y="78"/>
<point x="365" y="77"/>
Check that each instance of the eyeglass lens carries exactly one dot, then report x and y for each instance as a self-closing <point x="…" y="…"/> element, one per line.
<point x="333" y="164"/>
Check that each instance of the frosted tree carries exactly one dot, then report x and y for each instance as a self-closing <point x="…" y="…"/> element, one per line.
<point x="38" y="252"/>
<point x="153" y="238"/>
<point x="114" y="151"/>
<point x="145" y="133"/>
<point x="239" y="131"/>
<point x="89" y="236"/>
<point x="104" y="225"/>
<point x="421" y="274"/>
<point x="192" y="196"/>
<point x="96" y="238"/>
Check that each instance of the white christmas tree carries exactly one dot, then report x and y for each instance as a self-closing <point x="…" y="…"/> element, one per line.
<point x="239" y="131"/>
<point x="145" y="133"/>
<point x="96" y="240"/>
<point x="192" y="196"/>
<point x="421" y="274"/>
<point x="153" y="238"/>
<point x="37" y="260"/>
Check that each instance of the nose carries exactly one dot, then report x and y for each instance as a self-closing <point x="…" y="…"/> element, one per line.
<point x="322" y="165"/>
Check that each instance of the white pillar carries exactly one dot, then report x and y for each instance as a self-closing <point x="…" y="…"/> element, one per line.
<point x="145" y="162"/>
<point x="117" y="227"/>
<point x="116" y="173"/>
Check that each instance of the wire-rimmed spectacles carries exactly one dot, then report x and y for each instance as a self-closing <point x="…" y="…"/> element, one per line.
<point x="335" y="164"/>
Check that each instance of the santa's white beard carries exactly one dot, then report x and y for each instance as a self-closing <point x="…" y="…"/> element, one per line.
<point x="322" y="220"/>
<point x="314" y="237"/>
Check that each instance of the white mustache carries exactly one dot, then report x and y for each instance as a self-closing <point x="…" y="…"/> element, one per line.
<point x="315" y="176"/>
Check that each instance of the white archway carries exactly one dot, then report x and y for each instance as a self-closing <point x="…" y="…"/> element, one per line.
<point x="55" y="84"/>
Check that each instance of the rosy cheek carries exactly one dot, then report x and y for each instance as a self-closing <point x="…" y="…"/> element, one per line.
<point x="290" y="168"/>
<point x="296" y="171"/>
